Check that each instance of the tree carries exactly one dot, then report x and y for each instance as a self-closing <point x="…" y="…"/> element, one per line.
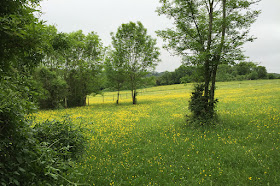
<point x="82" y="66"/>
<point x="136" y="51"/>
<point x="262" y="72"/>
<point x="208" y="33"/>
<point x="244" y="68"/>
<point x="21" y="36"/>
<point x="76" y="58"/>
<point x="115" y="72"/>
<point x="225" y="73"/>
<point x="55" y="49"/>
<point x="55" y="88"/>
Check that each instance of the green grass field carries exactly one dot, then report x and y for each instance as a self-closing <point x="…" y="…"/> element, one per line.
<point x="150" y="144"/>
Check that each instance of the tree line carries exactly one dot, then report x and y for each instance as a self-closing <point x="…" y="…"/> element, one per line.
<point x="237" y="72"/>
<point x="74" y="65"/>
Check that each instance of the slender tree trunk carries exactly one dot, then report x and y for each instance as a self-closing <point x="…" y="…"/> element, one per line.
<point x="133" y="88"/>
<point x="65" y="102"/>
<point x="134" y="97"/>
<point x="217" y="58"/>
<point x="212" y="91"/>
<point x="206" y="79"/>
<point x="207" y="73"/>
<point x="118" y="97"/>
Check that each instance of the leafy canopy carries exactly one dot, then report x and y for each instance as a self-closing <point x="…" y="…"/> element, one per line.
<point x="198" y="34"/>
<point x="207" y="34"/>
<point x="135" y="53"/>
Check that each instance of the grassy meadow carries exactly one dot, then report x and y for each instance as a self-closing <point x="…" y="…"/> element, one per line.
<point x="150" y="144"/>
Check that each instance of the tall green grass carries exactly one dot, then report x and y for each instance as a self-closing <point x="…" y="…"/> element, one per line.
<point x="150" y="143"/>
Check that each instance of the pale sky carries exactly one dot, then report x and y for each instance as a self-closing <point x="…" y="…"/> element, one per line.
<point x="105" y="16"/>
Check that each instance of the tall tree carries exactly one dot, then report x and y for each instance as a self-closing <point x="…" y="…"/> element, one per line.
<point x="209" y="33"/>
<point x="137" y="51"/>
<point x="82" y="66"/>
<point x="115" y="72"/>
<point x="21" y="36"/>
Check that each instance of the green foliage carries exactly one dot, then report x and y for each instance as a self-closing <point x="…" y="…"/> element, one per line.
<point x="55" y="89"/>
<point x="19" y="150"/>
<point x="25" y="158"/>
<point x="183" y="74"/>
<point x="225" y="72"/>
<point x="76" y="59"/>
<point x="20" y="51"/>
<point x="83" y="66"/>
<point x="244" y="68"/>
<point x="262" y="72"/>
<point x="135" y="54"/>
<point x="33" y="156"/>
<point x="165" y="79"/>
<point x="241" y="71"/>
<point x="21" y="36"/>
<point x="81" y="82"/>
<point x="208" y="33"/>
<point x="272" y="76"/>
<point x="253" y="75"/>
<point x="201" y="110"/>
<point x="61" y="136"/>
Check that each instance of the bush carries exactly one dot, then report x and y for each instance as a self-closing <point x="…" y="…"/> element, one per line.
<point x="253" y="75"/>
<point x="186" y="79"/>
<point x="19" y="150"/>
<point x="62" y="137"/>
<point x="30" y="156"/>
<point x="61" y="144"/>
<point x="202" y="111"/>
<point x="271" y="76"/>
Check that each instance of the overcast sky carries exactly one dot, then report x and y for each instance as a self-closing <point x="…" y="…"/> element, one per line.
<point x="105" y="16"/>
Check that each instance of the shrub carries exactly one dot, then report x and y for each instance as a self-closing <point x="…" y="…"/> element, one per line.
<point x="62" y="137"/>
<point x="253" y="75"/>
<point x="19" y="150"/>
<point x="200" y="107"/>
<point x="271" y="76"/>
<point x="30" y="156"/>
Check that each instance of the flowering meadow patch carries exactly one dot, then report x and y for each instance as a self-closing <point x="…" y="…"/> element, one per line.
<point x="150" y="143"/>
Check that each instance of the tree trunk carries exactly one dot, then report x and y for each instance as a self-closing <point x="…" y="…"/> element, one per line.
<point x="212" y="91"/>
<point x="206" y="79"/>
<point x="134" y="97"/>
<point x="118" y="97"/>
<point x="65" y="102"/>
<point x="217" y="58"/>
<point x="207" y="72"/>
